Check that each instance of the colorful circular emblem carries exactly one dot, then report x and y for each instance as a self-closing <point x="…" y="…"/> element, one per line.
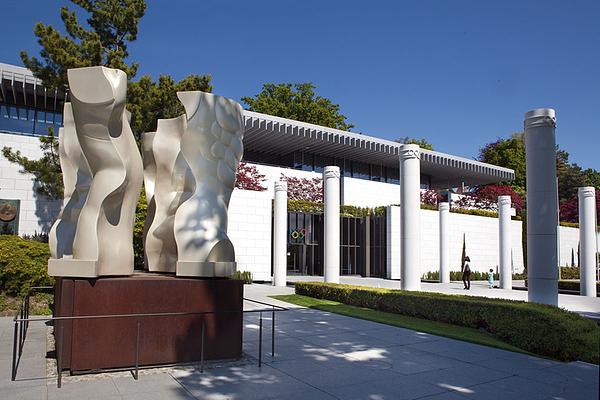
<point x="8" y="212"/>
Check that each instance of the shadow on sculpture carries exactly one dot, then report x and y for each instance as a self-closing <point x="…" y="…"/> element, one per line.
<point x="103" y="238"/>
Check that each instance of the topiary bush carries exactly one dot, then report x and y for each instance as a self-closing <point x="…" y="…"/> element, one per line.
<point x="245" y="276"/>
<point x="569" y="273"/>
<point x="23" y="264"/>
<point x="536" y="328"/>
<point x="475" y="276"/>
<point x="574" y="285"/>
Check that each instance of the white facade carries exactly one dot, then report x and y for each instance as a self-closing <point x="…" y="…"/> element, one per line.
<point x="37" y="213"/>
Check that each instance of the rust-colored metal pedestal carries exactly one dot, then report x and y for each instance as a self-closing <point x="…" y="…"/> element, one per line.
<point x="105" y="343"/>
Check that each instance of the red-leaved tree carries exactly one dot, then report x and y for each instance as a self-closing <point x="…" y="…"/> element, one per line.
<point x="569" y="210"/>
<point x="309" y="189"/>
<point x="248" y="178"/>
<point x="431" y="197"/>
<point x="486" y="198"/>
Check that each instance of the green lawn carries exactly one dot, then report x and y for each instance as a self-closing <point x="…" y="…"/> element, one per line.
<point x="417" y="324"/>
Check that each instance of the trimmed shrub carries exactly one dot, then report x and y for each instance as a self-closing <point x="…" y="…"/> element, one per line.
<point x="536" y="328"/>
<point x="245" y="276"/>
<point x="574" y="285"/>
<point x="23" y="264"/>
<point x="569" y="273"/>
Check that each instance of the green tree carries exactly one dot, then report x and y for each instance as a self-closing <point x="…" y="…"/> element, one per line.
<point x="148" y="100"/>
<point x="46" y="170"/>
<point x="508" y="153"/>
<point x="297" y="101"/>
<point x="113" y="24"/>
<point x="423" y="143"/>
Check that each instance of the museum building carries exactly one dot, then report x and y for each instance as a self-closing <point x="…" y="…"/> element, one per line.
<point x="369" y="166"/>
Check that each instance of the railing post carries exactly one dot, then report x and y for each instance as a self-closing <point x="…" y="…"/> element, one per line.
<point x="14" y="353"/>
<point x="137" y="352"/>
<point x="260" y="341"/>
<point x="202" y="347"/>
<point x="273" y="332"/>
<point x="59" y="355"/>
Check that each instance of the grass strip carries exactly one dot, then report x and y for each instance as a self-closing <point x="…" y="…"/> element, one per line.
<point x="418" y="324"/>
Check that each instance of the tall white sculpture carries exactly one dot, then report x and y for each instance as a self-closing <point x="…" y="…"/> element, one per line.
<point x="444" y="211"/>
<point x="103" y="241"/>
<point x="280" y="234"/>
<point x="212" y="147"/>
<point x="587" y="240"/>
<point x="504" y="261"/>
<point x="149" y="184"/>
<point x="160" y="245"/>
<point x="76" y="185"/>
<point x="410" y="211"/>
<point x="331" y="235"/>
<point x="542" y="207"/>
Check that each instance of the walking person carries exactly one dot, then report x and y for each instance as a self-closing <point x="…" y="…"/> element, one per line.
<point x="491" y="278"/>
<point x="466" y="273"/>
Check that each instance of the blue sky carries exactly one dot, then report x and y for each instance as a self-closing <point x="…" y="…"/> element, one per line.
<point x="458" y="73"/>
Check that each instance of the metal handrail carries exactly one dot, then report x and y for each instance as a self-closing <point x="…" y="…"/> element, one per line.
<point x="22" y="320"/>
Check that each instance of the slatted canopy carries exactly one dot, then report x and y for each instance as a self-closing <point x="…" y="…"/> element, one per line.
<point x="281" y="136"/>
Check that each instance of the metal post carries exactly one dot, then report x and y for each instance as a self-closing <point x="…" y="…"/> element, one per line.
<point x="59" y="355"/>
<point x="137" y="352"/>
<point x="202" y="347"/>
<point x="260" y="341"/>
<point x="14" y="354"/>
<point x="273" y="332"/>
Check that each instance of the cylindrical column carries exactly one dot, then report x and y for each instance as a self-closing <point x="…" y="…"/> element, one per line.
<point x="542" y="207"/>
<point x="280" y="234"/>
<point x="331" y="237"/>
<point x="587" y="241"/>
<point x="410" y="211"/>
<point x="504" y="261"/>
<point x="444" y="211"/>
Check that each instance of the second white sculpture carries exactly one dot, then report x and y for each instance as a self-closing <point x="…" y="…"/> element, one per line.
<point x="212" y="147"/>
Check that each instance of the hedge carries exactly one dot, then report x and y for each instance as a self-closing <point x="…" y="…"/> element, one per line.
<point x="23" y="264"/>
<point x="536" y="328"/>
<point x="575" y="286"/>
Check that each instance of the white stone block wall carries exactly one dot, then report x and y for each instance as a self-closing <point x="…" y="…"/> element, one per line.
<point x="481" y="237"/>
<point x="569" y="242"/>
<point x="37" y="213"/>
<point x="363" y="193"/>
<point x="249" y="228"/>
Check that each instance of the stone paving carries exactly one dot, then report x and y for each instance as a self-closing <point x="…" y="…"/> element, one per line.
<point x="319" y="355"/>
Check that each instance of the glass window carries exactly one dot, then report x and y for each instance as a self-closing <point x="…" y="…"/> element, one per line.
<point x="307" y="161"/>
<point x="321" y="162"/>
<point x="393" y="175"/>
<point x="360" y="170"/>
<point x="376" y="173"/>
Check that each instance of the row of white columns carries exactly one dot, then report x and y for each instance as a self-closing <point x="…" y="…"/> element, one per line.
<point x="542" y="220"/>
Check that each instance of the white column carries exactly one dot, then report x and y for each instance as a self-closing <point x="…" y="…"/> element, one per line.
<point x="444" y="211"/>
<point x="331" y="237"/>
<point x="587" y="240"/>
<point x="542" y="206"/>
<point x="504" y="261"/>
<point x="280" y="234"/>
<point x="410" y="211"/>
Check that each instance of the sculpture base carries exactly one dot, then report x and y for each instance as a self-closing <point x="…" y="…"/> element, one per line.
<point x="108" y="343"/>
<point x="73" y="268"/>
<point x="205" y="269"/>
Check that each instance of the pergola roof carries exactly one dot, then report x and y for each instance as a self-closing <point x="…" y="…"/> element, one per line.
<point x="280" y="136"/>
<point x="19" y="87"/>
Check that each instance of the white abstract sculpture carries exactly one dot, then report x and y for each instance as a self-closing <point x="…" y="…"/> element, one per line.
<point x="160" y="245"/>
<point x="149" y="183"/>
<point x="212" y="147"/>
<point x="103" y="241"/>
<point x="76" y="182"/>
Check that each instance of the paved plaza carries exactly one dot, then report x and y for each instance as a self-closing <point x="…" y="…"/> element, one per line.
<point x="319" y="355"/>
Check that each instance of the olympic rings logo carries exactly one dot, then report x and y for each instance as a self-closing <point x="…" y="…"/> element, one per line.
<point x="298" y="233"/>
